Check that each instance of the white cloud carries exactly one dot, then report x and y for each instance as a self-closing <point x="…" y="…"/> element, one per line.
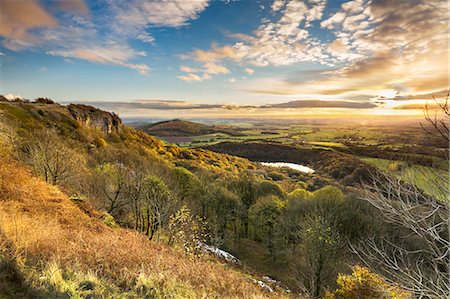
<point x="231" y="80"/>
<point x="202" y="73"/>
<point x="146" y="37"/>
<point x="331" y="22"/>
<point x="164" y="13"/>
<point x="188" y="69"/>
<point x="190" y="77"/>
<point x="282" y="42"/>
<point x="115" y="55"/>
<point x="249" y="71"/>
<point x="277" y="5"/>
<point x="10" y="96"/>
<point x="215" y="69"/>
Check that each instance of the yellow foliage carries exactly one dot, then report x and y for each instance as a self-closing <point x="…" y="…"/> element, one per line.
<point x="364" y="284"/>
<point x="100" y="142"/>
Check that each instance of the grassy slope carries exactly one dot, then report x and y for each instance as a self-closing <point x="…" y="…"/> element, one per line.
<point x="426" y="178"/>
<point x="31" y="116"/>
<point x="51" y="247"/>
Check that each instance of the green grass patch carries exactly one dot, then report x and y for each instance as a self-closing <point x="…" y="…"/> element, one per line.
<point x="428" y="179"/>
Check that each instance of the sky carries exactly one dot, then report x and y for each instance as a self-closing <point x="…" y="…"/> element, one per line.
<point x="228" y="58"/>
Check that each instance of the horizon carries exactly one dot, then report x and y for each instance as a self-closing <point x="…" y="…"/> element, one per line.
<point x="225" y="59"/>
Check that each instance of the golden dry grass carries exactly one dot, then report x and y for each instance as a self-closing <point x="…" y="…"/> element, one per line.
<point x="57" y="248"/>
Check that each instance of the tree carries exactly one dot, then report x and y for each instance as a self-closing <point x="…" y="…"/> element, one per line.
<point x="222" y="209"/>
<point x="135" y="192"/>
<point x="50" y="157"/>
<point x="291" y="218"/>
<point x="157" y="204"/>
<point x="247" y="190"/>
<point x="188" y="184"/>
<point x="314" y="262"/>
<point x="437" y="127"/>
<point x="187" y="231"/>
<point x="265" y="215"/>
<point x="364" y="284"/>
<point x="109" y="184"/>
<point x="419" y="257"/>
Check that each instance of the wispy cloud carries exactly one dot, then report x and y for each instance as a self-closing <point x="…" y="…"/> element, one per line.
<point x="186" y="105"/>
<point x="202" y="73"/>
<point x="103" y="39"/>
<point x="322" y="104"/>
<point x="18" y="18"/>
<point x="114" y="54"/>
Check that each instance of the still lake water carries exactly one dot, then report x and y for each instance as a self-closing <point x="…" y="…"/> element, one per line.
<point x="298" y="167"/>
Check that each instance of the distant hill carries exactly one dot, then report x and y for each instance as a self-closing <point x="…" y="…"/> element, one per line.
<point x="178" y="127"/>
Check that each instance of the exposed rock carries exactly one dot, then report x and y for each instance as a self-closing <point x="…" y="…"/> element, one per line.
<point x="90" y="116"/>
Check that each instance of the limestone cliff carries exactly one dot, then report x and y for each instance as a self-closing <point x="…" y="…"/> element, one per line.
<point x="90" y="116"/>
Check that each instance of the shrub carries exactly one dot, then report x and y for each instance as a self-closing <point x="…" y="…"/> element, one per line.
<point x="188" y="231"/>
<point x="364" y="284"/>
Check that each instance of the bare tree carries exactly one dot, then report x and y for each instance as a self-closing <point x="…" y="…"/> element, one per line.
<point x="50" y="157"/>
<point x="419" y="258"/>
<point x="437" y="124"/>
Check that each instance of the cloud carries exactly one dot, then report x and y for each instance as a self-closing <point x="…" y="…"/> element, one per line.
<point x="282" y="42"/>
<point x="74" y="6"/>
<point x="202" y="73"/>
<point x="322" y="104"/>
<point x="18" y="18"/>
<point x="231" y="80"/>
<point x="249" y="71"/>
<point x="191" y="77"/>
<point x="277" y="5"/>
<point x="153" y="105"/>
<point x="10" y="96"/>
<point x="115" y="55"/>
<point x="214" y="69"/>
<point x="163" y="13"/>
<point x="188" y="69"/>
<point x="174" y="107"/>
<point x="380" y="47"/>
<point x="214" y="54"/>
<point x="74" y="34"/>
<point x="142" y="105"/>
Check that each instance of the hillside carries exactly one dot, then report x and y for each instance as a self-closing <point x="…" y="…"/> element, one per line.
<point x="50" y="247"/>
<point x="179" y="127"/>
<point x="56" y="245"/>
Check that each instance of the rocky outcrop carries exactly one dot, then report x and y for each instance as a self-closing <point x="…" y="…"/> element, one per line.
<point x="90" y="116"/>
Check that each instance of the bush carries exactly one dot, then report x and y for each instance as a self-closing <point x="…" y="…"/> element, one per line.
<point x="364" y="284"/>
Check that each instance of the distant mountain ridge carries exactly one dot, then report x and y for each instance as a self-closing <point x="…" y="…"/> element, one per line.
<point x="178" y="127"/>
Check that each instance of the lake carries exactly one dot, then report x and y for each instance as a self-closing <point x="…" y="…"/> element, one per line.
<point x="298" y="167"/>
